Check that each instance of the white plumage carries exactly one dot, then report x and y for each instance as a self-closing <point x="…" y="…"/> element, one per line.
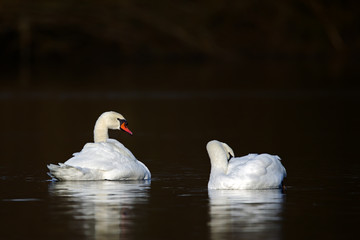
<point x="254" y="171"/>
<point x="105" y="159"/>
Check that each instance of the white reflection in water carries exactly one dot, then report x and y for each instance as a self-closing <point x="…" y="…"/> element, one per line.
<point x="104" y="209"/>
<point x="248" y="214"/>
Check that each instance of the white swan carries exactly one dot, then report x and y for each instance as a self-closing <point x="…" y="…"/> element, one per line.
<point x="105" y="159"/>
<point x="254" y="171"/>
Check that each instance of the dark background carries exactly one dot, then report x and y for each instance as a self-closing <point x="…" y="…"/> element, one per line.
<point x="239" y="41"/>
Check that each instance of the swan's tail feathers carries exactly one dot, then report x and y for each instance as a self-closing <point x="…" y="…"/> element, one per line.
<point x="66" y="172"/>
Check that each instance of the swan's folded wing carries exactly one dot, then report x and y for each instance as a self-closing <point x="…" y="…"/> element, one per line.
<point x="99" y="156"/>
<point x="120" y="148"/>
<point x="250" y="166"/>
<point x="266" y="171"/>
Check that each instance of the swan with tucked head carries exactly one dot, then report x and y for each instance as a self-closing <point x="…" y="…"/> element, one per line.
<point x="253" y="171"/>
<point x="105" y="159"/>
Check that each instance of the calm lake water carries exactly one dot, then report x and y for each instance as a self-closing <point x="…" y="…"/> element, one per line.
<point x="315" y="132"/>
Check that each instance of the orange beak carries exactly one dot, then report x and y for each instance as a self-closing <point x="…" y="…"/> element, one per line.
<point x="125" y="128"/>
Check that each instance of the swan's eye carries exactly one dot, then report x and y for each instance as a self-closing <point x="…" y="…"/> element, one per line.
<point x="123" y="121"/>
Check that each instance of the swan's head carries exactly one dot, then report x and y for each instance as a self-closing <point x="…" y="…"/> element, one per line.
<point x="229" y="151"/>
<point x="114" y="120"/>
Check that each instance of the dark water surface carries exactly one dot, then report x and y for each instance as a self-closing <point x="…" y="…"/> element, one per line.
<point x="314" y="132"/>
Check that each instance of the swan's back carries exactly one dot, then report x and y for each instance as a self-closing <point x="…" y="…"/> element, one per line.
<point x="258" y="171"/>
<point x="103" y="156"/>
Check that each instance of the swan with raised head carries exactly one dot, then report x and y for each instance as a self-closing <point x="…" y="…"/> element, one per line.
<point x="253" y="171"/>
<point x="104" y="159"/>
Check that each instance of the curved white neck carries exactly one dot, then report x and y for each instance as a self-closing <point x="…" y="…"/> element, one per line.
<point x="218" y="157"/>
<point x="100" y="131"/>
